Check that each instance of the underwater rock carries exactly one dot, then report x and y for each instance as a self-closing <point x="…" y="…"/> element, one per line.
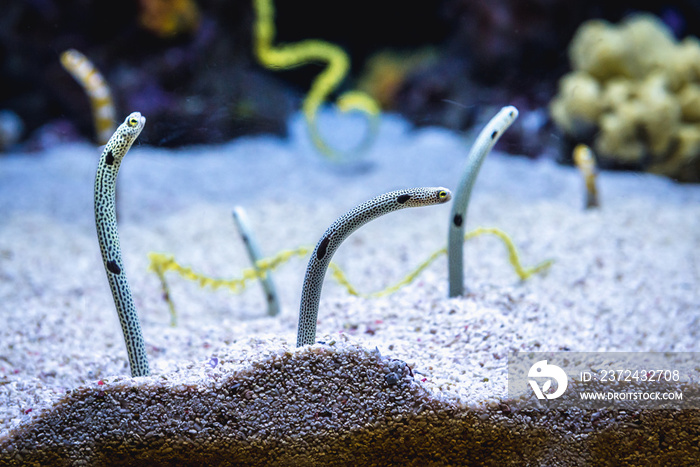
<point x="332" y="405"/>
<point x="634" y="93"/>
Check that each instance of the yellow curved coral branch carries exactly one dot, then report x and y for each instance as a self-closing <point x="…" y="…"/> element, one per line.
<point x="288" y="56"/>
<point x="342" y="279"/>
<point x="523" y="273"/>
<point x="160" y="264"/>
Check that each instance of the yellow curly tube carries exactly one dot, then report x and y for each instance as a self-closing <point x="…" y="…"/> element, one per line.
<point x="160" y="264"/>
<point x="523" y="273"/>
<point x="309" y="51"/>
<point x="95" y="86"/>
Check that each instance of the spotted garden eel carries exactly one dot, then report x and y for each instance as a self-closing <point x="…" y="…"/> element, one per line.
<point x="243" y="224"/>
<point x="585" y="161"/>
<point x="97" y="89"/>
<point x="455" y="241"/>
<point x="339" y="231"/>
<point x="108" y="236"/>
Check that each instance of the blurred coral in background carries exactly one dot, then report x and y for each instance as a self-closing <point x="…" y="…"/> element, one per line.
<point x="635" y="93"/>
<point x="189" y="65"/>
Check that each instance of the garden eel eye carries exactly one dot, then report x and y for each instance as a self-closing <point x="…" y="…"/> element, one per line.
<point x="133" y="122"/>
<point x="442" y="194"/>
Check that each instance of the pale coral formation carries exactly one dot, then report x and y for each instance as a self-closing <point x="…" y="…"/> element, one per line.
<point x="635" y="95"/>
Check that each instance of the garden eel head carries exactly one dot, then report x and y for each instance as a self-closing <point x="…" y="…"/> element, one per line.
<point x="133" y="125"/>
<point x="426" y="197"/>
<point x="124" y="137"/>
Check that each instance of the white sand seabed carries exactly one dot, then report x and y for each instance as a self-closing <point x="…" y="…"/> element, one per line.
<point x="625" y="277"/>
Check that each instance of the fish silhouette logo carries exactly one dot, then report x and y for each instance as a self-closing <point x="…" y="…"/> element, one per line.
<point x="542" y="370"/>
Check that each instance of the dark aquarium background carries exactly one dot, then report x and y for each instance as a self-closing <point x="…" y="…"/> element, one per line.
<point x="189" y="65"/>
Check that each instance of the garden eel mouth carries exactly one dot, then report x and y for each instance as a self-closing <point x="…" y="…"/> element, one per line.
<point x="108" y="237"/>
<point x="338" y="232"/>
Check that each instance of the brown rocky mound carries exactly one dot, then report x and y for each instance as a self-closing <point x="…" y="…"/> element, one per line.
<point x="332" y="404"/>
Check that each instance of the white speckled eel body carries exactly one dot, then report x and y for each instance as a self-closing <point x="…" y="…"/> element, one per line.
<point x="243" y="224"/>
<point x="338" y="232"/>
<point x="108" y="236"/>
<point x="482" y="146"/>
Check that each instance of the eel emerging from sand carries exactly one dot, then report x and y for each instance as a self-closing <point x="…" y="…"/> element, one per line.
<point x="108" y="236"/>
<point x="241" y="219"/>
<point x="482" y="146"/>
<point x="339" y="231"/>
